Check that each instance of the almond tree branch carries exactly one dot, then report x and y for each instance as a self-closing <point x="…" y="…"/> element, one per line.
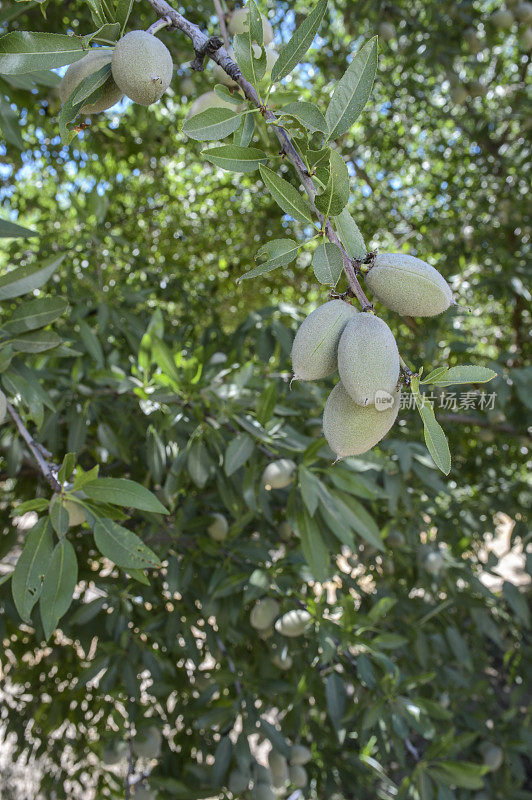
<point x="48" y="470"/>
<point x="220" y="56"/>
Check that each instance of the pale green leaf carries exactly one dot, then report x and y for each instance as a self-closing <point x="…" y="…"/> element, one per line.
<point x="236" y="159"/>
<point x="35" y="314"/>
<point x="308" y="114"/>
<point x="123" y="547"/>
<point x="23" y="280"/>
<point x="238" y="451"/>
<point x="350" y="235"/>
<point x="328" y="263"/>
<point x="352" y="90"/>
<point x="250" y="58"/>
<point x="312" y="545"/>
<point x="278" y="252"/>
<point x="26" y="584"/>
<point x="10" y="230"/>
<point x="293" y="51"/>
<point x="469" y="373"/>
<point x="24" y="51"/>
<point x="336" y="195"/>
<point x="36" y="342"/>
<point x="59" y="585"/>
<point x="286" y="196"/>
<point x="123" y="492"/>
<point x="214" y="123"/>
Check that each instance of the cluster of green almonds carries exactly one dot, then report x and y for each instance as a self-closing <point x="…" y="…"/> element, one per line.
<point x="141" y="69"/>
<point x="364" y="404"/>
<point x="291" y="624"/>
<point x="272" y="781"/>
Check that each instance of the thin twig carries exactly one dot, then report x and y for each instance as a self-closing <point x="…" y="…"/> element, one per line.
<point x="48" y="470"/>
<point x="221" y="57"/>
<point x="221" y="20"/>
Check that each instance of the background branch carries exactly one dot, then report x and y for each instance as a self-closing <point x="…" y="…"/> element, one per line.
<point x="221" y="20"/>
<point x="220" y="56"/>
<point x="47" y="469"/>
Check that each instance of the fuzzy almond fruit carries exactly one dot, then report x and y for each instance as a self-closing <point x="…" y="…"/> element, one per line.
<point x="314" y="352"/>
<point x="351" y="429"/>
<point x="368" y="359"/>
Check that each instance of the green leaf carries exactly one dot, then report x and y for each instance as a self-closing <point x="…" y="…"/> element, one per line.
<point x="336" y="697"/>
<point x="293" y="51"/>
<point x="123" y="10"/>
<point x="336" y="195"/>
<point x="252" y="63"/>
<point x="276" y="738"/>
<point x="328" y="263"/>
<point x="244" y="133"/>
<point x="214" y="123"/>
<point x="91" y="342"/>
<point x="59" y="585"/>
<point x="10" y="230"/>
<point x="256" y="30"/>
<point x="236" y="159"/>
<point x="163" y="358"/>
<point x="517" y="602"/>
<point x="24" y="51"/>
<point x="123" y="547"/>
<point x="350" y="235"/>
<point x="279" y="252"/>
<point x="435" y="437"/>
<point x="352" y="90"/>
<point x="237" y="453"/>
<point x="26" y="584"/>
<point x="286" y="196"/>
<point x="313" y="547"/>
<point x="123" y="492"/>
<point x="86" y="88"/>
<point x="307" y="113"/>
<point x="36" y="342"/>
<point x="222" y="757"/>
<point x="35" y="314"/>
<point x="459" y="773"/>
<point x="309" y="485"/>
<point x="109" y="31"/>
<point x="23" y="280"/>
<point x="469" y="373"/>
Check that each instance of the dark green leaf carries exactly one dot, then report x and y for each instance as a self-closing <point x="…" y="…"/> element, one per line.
<point x="294" y="50"/>
<point x="352" y="90"/>
<point x="26" y="584"/>
<point x="123" y="492"/>
<point x="123" y="547"/>
<point x="58" y="587"/>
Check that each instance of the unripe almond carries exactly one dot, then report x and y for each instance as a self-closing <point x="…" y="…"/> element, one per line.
<point x="493" y="755"/>
<point x="238" y="23"/>
<point x="298" y="776"/>
<point x="368" y="359"/>
<point x="95" y="59"/>
<point x="387" y="31"/>
<point x="293" y="623"/>
<point x="218" y="528"/>
<point x="147" y="743"/>
<point x="408" y="285"/>
<point x="221" y="75"/>
<point x="208" y="100"/>
<point x="299" y="754"/>
<point x="283" y="660"/>
<point x="262" y="791"/>
<point x="238" y="782"/>
<point x="114" y="752"/>
<point x="142" y="67"/>
<point x="263" y="613"/>
<point x="502" y="18"/>
<point x="351" y="429"/>
<point x="434" y="562"/>
<point x="526" y="38"/>
<point x="143" y="793"/>
<point x="279" y="768"/>
<point x="314" y="352"/>
<point x="279" y="474"/>
<point x="523" y="12"/>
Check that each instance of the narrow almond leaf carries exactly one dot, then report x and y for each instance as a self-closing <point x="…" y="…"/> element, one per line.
<point x="309" y="486"/>
<point x="59" y="585"/>
<point x="328" y="263"/>
<point x="336" y="195"/>
<point x="350" y="235"/>
<point x="244" y="133"/>
<point x="25" y="51"/>
<point x="312" y="545"/>
<point x="293" y="51"/>
<point x="256" y="30"/>
<point x="123" y="492"/>
<point x="10" y="230"/>
<point x="123" y="547"/>
<point x="26" y="584"/>
<point x="436" y="373"/>
<point x="435" y="439"/>
<point x="90" y="84"/>
<point x="469" y="373"/>
<point x="352" y="90"/>
<point x="35" y="314"/>
<point x="214" y="123"/>
<point x="336" y="697"/>
<point x="237" y="453"/>
<point x="286" y="196"/>
<point x="308" y="114"/>
<point x="279" y="252"/>
<point x="24" y="280"/>
<point x="250" y="57"/>
<point x="36" y="342"/>
<point x="236" y="159"/>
